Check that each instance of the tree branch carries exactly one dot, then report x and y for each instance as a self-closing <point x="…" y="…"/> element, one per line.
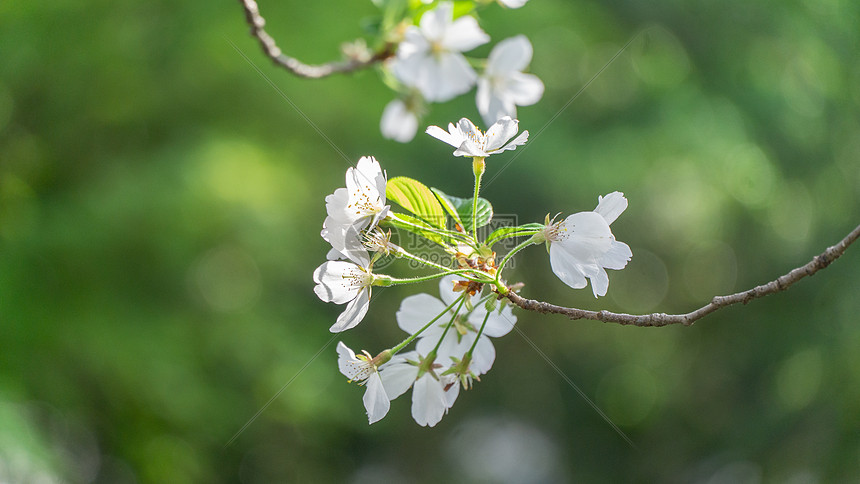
<point x="662" y="319"/>
<point x="271" y="49"/>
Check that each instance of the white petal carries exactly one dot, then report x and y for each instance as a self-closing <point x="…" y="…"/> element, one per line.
<point x="588" y="236"/>
<point x="498" y="324"/>
<point x="331" y="285"/>
<point x="599" y="282"/>
<point x="617" y="256"/>
<point x="500" y="132"/>
<point x="346" y="361"/>
<point x="453" y="390"/>
<point x="398" y="123"/>
<point x="510" y="55"/>
<point x="454" y="139"/>
<point x="566" y="267"/>
<point x="491" y="106"/>
<point x="354" y="312"/>
<point x="428" y="401"/>
<point x="464" y="35"/>
<point x="407" y="67"/>
<point x="417" y="310"/>
<point x="470" y="149"/>
<point x="483" y="356"/>
<point x="398" y="376"/>
<point x="611" y="206"/>
<point x="375" y="399"/>
<point x="434" y="23"/>
<point x="523" y="89"/>
<point x="335" y="205"/>
<point x="445" y="77"/>
<point x="446" y="290"/>
<point x="518" y="141"/>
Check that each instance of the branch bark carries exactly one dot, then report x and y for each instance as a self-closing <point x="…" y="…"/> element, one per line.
<point x="662" y="319"/>
<point x="272" y="51"/>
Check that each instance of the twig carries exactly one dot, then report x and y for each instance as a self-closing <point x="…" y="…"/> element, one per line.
<point x="271" y="49"/>
<point x="662" y="319"/>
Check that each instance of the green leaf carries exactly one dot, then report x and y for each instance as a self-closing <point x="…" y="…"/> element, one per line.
<point x="415" y="197"/>
<point x="449" y="206"/>
<point x="464" y="210"/>
<point x="506" y="232"/>
<point x="410" y="226"/>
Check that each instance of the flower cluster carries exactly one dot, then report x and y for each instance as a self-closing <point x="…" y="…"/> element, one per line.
<point x="451" y="333"/>
<point x="430" y="67"/>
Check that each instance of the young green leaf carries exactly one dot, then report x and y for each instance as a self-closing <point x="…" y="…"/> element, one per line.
<point x="415" y="197"/>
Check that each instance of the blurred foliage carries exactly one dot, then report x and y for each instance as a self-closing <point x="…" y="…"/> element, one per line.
<point x="160" y="205"/>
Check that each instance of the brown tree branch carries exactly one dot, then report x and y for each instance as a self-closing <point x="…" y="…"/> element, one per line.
<point x="662" y="319"/>
<point x="271" y="49"/>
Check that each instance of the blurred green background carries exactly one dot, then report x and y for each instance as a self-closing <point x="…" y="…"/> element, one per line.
<point x="160" y="205"/>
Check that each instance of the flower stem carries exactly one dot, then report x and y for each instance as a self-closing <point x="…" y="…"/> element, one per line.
<point x="417" y="333"/>
<point x="510" y="254"/>
<point x="480" y="332"/>
<point x="478" y="168"/>
<point x="383" y="280"/>
<point x="450" y="323"/>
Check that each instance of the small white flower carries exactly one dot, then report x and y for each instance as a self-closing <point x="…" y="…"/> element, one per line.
<point x="361" y="205"/>
<point x="503" y="86"/>
<point x="582" y="245"/>
<point x="471" y="142"/>
<point x="343" y="282"/>
<point x="429" y="58"/>
<point x="413" y="315"/>
<point x="361" y="369"/>
<point x="398" y="122"/>
<point x="432" y="393"/>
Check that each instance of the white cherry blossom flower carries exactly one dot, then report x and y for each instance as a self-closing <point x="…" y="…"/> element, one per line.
<point x="471" y="142"/>
<point x="360" y="369"/>
<point x="398" y="122"/>
<point x="503" y="86"/>
<point x="429" y="57"/>
<point x="361" y="205"/>
<point x="346" y="282"/>
<point x="432" y="393"/>
<point x="413" y="315"/>
<point x="582" y="245"/>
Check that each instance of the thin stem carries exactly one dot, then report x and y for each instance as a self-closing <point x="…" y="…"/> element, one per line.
<point x="411" y="337"/>
<point x="480" y="332"/>
<point x="510" y="254"/>
<point x="439" y="343"/>
<point x="662" y="319"/>
<point x="478" y="167"/>
<point x="391" y="281"/>
<point x="443" y="232"/>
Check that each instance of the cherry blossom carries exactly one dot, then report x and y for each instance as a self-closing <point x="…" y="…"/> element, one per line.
<point x="429" y="57"/>
<point x="361" y="369"/>
<point x="412" y="316"/>
<point x="503" y="86"/>
<point x="346" y="282"/>
<point x="471" y="142"/>
<point x="582" y="245"/>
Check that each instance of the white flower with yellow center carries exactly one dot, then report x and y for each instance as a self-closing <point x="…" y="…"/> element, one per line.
<point x="582" y="245"/>
<point x="429" y="57"/>
<point x="343" y="282"/>
<point x="362" y="370"/>
<point x="359" y="206"/>
<point x="503" y="86"/>
<point x="471" y="142"/>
